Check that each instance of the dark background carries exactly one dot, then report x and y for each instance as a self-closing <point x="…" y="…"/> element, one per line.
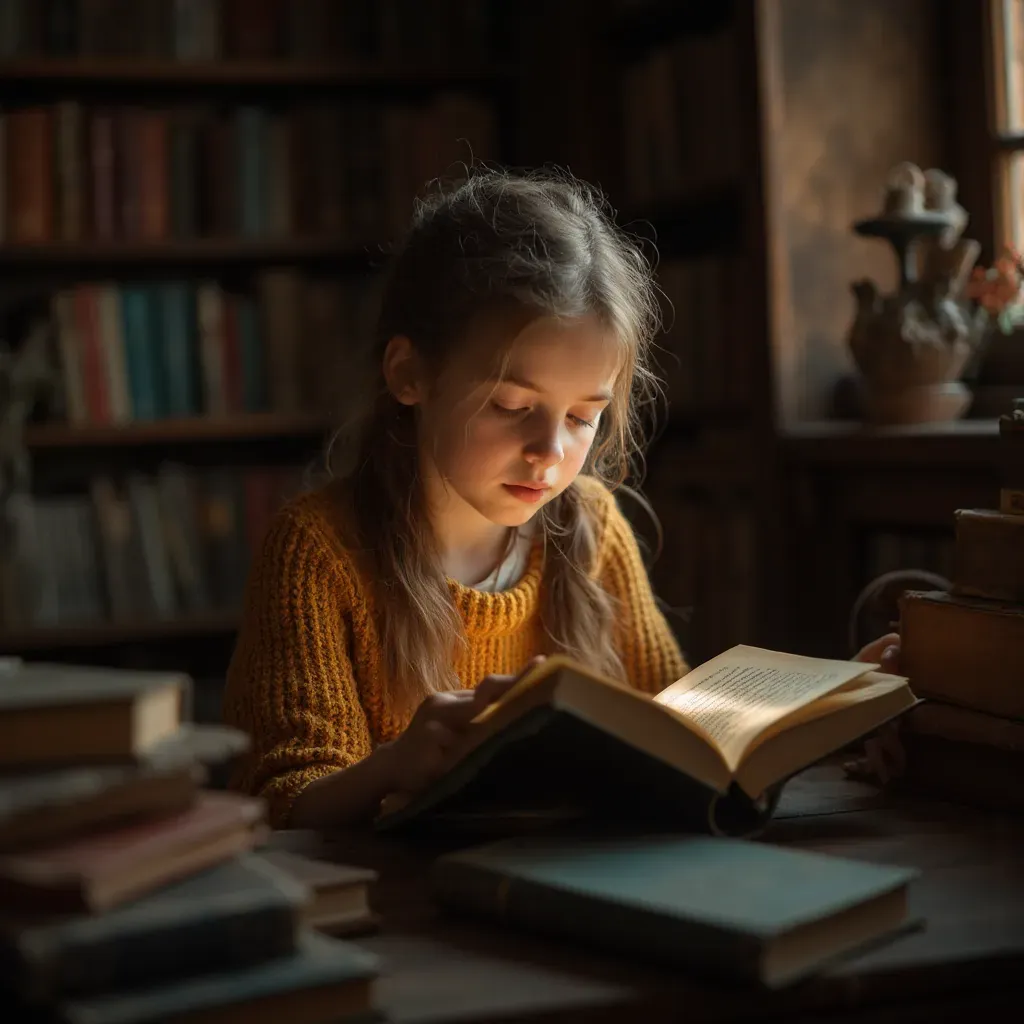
<point x="234" y="169"/>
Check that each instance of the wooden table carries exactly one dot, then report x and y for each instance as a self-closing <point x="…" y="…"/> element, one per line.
<point x="966" y="963"/>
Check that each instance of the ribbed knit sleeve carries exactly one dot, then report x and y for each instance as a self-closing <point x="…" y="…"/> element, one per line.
<point x="290" y="684"/>
<point x="650" y="654"/>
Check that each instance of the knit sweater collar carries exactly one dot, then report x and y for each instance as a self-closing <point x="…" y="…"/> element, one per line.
<point x="500" y="614"/>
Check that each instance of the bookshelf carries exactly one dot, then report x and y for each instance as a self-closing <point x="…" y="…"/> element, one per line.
<point x="196" y="198"/>
<point x="52" y="72"/>
<point x="775" y="512"/>
<point x="197" y="429"/>
<point x="688" y="179"/>
<point x="94" y="636"/>
<point x="201" y="253"/>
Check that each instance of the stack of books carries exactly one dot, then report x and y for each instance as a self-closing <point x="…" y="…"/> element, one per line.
<point x="964" y="653"/>
<point x="129" y="891"/>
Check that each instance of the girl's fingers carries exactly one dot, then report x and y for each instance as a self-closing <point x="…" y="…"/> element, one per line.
<point x="441" y="733"/>
<point x="495" y="687"/>
<point x="874" y="651"/>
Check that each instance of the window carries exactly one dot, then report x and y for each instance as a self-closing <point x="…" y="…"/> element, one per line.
<point x="1007" y="30"/>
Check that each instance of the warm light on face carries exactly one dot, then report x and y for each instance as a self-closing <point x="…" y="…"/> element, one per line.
<point x="507" y="444"/>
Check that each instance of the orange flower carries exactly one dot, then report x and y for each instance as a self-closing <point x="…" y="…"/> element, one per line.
<point x="1001" y="285"/>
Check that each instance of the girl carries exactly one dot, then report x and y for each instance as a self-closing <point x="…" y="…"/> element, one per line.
<point x="475" y="528"/>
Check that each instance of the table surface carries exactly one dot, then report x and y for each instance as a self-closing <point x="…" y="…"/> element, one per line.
<point x="967" y="959"/>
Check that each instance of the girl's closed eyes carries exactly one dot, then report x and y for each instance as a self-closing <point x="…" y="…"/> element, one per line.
<point x="525" y="410"/>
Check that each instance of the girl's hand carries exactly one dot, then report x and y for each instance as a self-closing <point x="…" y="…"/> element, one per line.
<point x="885" y="651"/>
<point x="884" y="757"/>
<point x="420" y="754"/>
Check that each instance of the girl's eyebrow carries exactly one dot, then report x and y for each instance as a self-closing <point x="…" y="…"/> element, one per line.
<point x="521" y="382"/>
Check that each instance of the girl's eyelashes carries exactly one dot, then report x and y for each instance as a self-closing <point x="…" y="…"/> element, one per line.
<point x="503" y="410"/>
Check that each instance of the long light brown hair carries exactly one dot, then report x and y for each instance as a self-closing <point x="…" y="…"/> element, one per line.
<point x="538" y="241"/>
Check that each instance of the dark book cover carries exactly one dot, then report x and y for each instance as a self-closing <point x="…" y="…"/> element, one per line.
<point x="239" y="913"/>
<point x="104" y="869"/>
<point x="57" y="714"/>
<point x="521" y="779"/>
<point x="324" y="979"/>
<point x="43" y="806"/>
<point x="42" y="685"/>
<point x="728" y="908"/>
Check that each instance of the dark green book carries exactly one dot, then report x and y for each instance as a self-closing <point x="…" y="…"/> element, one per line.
<point x="241" y="912"/>
<point x="735" y="909"/>
<point x="325" y="979"/>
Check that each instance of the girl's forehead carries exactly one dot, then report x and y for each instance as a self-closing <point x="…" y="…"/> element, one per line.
<point x="544" y="350"/>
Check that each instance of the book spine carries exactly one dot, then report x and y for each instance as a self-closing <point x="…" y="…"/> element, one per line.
<point x="156" y="951"/>
<point x="963" y="651"/>
<point x="1011" y="500"/>
<point x="617" y="927"/>
<point x="989" y="555"/>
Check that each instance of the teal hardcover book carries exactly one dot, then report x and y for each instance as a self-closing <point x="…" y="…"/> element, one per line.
<point x="730" y="908"/>
<point x="241" y="912"/>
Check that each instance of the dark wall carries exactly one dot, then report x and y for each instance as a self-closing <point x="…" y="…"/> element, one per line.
<point x="860" y="94"/>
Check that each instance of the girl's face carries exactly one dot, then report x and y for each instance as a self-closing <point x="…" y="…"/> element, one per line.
<point x="507" y="444"/>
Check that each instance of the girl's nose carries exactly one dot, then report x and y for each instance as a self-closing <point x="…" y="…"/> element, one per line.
<point x="545" y="451"/>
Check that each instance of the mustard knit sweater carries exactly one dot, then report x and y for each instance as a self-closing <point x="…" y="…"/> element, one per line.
<point x="305" y="679"/>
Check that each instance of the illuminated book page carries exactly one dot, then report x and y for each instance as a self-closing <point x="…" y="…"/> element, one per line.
<point x="741" y="692"/>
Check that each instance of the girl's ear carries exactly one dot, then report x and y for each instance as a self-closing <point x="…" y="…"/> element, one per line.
<point x="403" y="371"/>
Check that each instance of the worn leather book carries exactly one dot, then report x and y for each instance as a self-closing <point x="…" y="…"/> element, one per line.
<point x="709" y="752"/>
<point x="1011" y="500"/>
<point x="963" y="756"/>
<point x="961" y="725"/>
<point x="989" y="555"/>
<point x="106" y="868"/>
<point x="733" y="909"/>
<point x="47" y="804"/>
<point x="60" y="714"/>
<point x="964" y="651"/>
<point x="974" y="774"/>
<point x="338" y="893"/>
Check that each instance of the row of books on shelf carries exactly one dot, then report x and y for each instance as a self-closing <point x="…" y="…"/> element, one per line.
<point x="681" y="108"/>
<point x="74" y="173"/>
<point x="144" y="548"/>
<point x="425" y="31"/>
<point x="150" y="350"/>
<point x="705" y="574"/>
<point x="891" y="550"/>
<point x="704" y="361"/>
<point x="133" y="890"/>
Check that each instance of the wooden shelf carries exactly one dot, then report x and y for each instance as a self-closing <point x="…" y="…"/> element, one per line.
<point x="656" y="22"/>
<point x="242" y="427"/>
<point x="709" y="220"/>
<point x="964" y="443"/>
<point x="84" y="71"/>
<point x="198" y="251"/>
<point x="111" y="634"/>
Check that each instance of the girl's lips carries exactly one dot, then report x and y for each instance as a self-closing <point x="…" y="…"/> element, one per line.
<point x="526" y="492"/>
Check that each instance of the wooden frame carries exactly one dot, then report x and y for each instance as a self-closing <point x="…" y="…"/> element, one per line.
<point x="1004" y="116"/>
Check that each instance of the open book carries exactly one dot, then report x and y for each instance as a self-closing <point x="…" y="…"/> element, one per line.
<point x="710" y="751"/>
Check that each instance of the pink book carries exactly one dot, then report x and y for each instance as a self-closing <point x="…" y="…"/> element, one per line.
<point x="106" y="868"/>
